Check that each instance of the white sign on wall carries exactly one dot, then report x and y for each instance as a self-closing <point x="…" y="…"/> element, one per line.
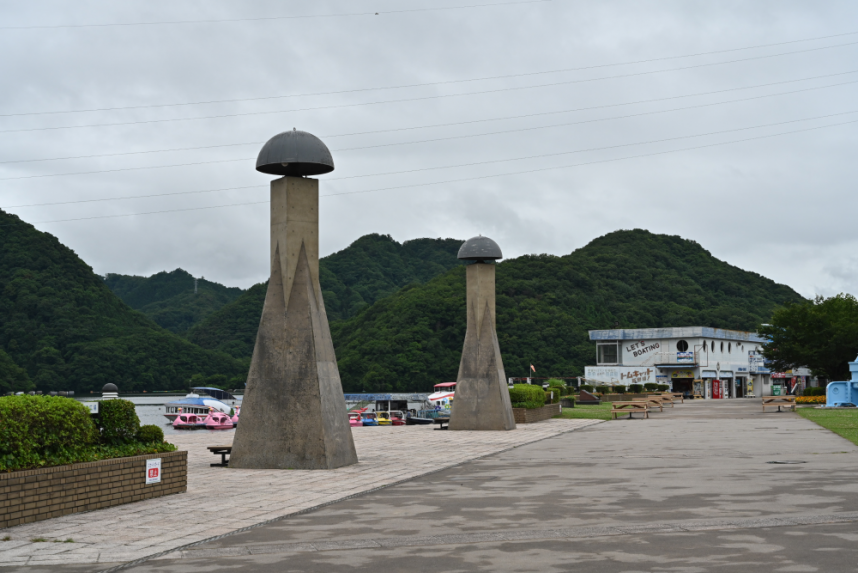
<point x="153" y="471"/>
<point x="620" y="375"/>
<point x="92" y="406"/>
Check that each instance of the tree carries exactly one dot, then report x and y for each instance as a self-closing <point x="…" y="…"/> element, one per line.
<point x="821" y="334"/>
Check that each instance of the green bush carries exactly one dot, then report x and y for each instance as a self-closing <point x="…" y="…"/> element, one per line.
<point x="635" y="388"/>
<point x="663" y="387"/>
<point x="42" y="430"/>
<point x="570" y="399"/>
<point x="549" y="399"/>
<point x="814" y="391"/>
<point x="117" y="422"/>
<point x="587" y="387"/>
<point x="150" y="435"/>
<point x="650" y="386"/>
<point x="619" y="390"/>
<point x="603" y="389"/>
<point x="527" y="396"/>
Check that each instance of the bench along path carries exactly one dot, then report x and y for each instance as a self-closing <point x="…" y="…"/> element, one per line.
<point x="222" y="500"/>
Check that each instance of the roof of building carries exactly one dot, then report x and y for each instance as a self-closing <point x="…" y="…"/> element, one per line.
<point x="480" y="249"/>
<point x="676" y="332"/>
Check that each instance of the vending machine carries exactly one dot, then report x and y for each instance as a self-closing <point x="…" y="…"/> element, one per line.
<point x="717" y="390"/>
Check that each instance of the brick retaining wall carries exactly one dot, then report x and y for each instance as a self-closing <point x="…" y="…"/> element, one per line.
<point x="34" y="495"/>
<point x="525" y="416"/>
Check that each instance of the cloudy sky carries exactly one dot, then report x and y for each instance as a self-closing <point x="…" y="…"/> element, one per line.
<point x="542" y="124"/>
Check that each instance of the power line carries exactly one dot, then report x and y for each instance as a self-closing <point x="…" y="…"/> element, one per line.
<point x="424" y="98"/>
<point x="468" y="122"/>
<point x="272" y="18"/>
<point x="426" y="84"/>
<point x="507" y="174"/>
<point x="422" y="141"/>
<point x="507" y="160"/>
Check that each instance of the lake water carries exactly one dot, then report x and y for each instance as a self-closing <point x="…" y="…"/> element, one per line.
<point x="150" y="410"/>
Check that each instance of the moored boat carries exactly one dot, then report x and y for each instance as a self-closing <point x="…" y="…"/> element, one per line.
<point x="355" y="419"/>
<point x="397" y="418"/>
<point x="384" y="419"/>
<point x="369" y="419"/>
<point x="188" y="421"/>
<point x="218" y="421"/>
<point x="442" y="394"/>
<point x="193" y="403"/>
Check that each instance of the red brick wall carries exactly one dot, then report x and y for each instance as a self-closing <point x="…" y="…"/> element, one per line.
<point x="525" y="416"/>
<point x="34" y="495"/>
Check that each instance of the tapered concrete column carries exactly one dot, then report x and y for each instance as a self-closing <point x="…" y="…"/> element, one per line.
<point x="293" y="415"/>
<point x="482" y="400"/>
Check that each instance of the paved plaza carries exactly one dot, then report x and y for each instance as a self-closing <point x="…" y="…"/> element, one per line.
<point x="689" y="490"/>
<point x="223" y="500"/>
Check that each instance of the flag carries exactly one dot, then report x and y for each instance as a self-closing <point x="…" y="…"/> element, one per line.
<point x="533" y="368"/>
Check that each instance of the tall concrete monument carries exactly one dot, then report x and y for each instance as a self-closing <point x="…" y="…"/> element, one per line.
<point x="482" y="398"/>
<point x="294" y="414"/>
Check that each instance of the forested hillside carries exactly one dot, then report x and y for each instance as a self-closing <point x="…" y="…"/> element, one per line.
<point x="546" y="304"/>
<point x="169" y="298"/>
<point x="371" y="268"/>
<point x="62" y="326"/>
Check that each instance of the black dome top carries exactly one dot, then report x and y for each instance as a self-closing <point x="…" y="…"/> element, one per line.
<point x="480" y="249"/>
<point x="110" y="387"/>
<point x="295" y="153"/>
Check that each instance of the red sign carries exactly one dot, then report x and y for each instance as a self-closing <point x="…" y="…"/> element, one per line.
<point x="716" y="390"/>
<point x="153" y="472"/>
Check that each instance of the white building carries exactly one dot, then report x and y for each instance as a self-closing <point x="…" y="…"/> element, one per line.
<point x="710" y="362"/>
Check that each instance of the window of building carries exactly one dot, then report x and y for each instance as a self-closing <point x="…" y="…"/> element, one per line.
<point x="729" y="347"/>
<point x="607" y="353"/>
<point x="682" y="346"/>
<point x="722" y="347"/>
<point x="704" y="346"/>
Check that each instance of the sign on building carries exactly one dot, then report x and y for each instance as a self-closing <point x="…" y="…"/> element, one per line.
<point x="619" y="375"/>
<point x="685" y="358"/>
<point x="153" y="471"/>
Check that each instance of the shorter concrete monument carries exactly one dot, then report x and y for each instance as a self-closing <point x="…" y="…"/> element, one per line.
<point x="482" y="400"/>
<point x="294" y="415"/>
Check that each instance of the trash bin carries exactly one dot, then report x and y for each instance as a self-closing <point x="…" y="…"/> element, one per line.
<point x="776" y="389"/>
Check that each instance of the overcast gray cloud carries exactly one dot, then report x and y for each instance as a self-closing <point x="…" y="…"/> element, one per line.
<point x="508" y="157"/>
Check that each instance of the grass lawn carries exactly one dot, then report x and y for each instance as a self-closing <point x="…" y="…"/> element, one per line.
<point x="600" y="412"/>
<point x="843" y="422"/>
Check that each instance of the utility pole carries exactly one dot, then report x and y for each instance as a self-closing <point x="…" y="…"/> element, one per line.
<point x="195" y="286"/>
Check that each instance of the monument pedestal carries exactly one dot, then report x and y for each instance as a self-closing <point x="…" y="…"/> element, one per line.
<point x="293" y="415"/>
<point x="482" y="400"/>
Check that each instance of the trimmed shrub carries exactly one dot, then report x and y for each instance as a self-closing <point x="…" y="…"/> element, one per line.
<point x="663" y="387"/>
<point x="603" y="389"/>
<point x="42" y="430"/>
<point x="150" y="434"/>
<point x="552" y="395"/>
<point x="527" y="396"/>
<point x="587" y="387"/>
<point x="635" y="388"/>
<point x="650" y="387"/>
<point x="117" y="422"/>
<point x="619" y="389"/>
<point x="813" y="391"/>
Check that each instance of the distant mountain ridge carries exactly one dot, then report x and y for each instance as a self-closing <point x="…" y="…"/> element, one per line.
<point x="169" y="299"/>
<point x="545" y="305"/>
<point x="62" y="326"/>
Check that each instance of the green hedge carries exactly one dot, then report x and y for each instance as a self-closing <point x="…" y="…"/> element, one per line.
<point x="813" y="391"/>
<point x="43" y="431"/>
<point x="556" y="395"/>
<point x="150" y="435"/>
<point x="117" y="422"/>
<point x="663" y="387"/>
<point x="603" y="389"/>
<point x="527" y="396"/>
<point x="635" y="388"/>
<point x="650" y="386"/>
<point x="587" y="387"/>
<point x="619" y="389"/>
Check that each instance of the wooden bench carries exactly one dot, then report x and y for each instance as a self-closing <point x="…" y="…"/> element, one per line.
<point x="786" y="401"/>
<point x="677" y="396"/>
<point x="444" y="423"/>
<point x="666" y="399"/>
<point x="629" y="408"/>
<point x="223" y="451"/>
<point x="653" y="402"/>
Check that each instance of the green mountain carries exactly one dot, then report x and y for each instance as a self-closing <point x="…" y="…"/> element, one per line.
<point x="545" y="305"/>
<point x="371" y="268"/>
<point x="169" y="298"/>
<point x="66" y="330"/>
